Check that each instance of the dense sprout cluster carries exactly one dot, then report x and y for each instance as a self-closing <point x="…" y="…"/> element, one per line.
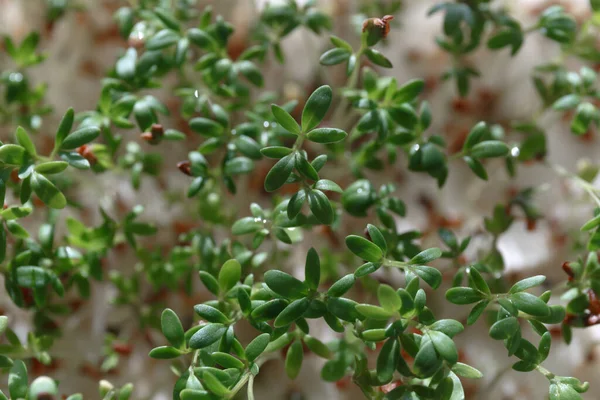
<point x="390" y="341"/>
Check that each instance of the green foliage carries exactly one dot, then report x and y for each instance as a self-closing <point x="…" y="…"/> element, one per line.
<point x="383" y="334"/>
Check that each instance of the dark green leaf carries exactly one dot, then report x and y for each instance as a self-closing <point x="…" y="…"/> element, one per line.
<point x="312" y="269"/>
<point x="335" y="56"/>
<point x="229" y="275"/>
<point x="211" y="314"/>
<point x="326" y="135"/>
<point x="47" y="192"/>
<point x="279" y="174"/>
<point x="285" y="284"/>
<point x="320" y="207"/>
<point x="363" y="248"/>
<point x="316" y="107"/>
<point x="426" y="256"/>
<point x="285" y="119"/>
<point x="276" y="152"/>
<point x="257" y="346"/>
<point x="530" y="304"/>
<point x="387" y="360"/>
<point x="504" y="328"/>
<point x="292" y="312"/>
<point x="527" y="283"/>
<point x="293" y="359"/>
<point x="377" y="58"/>
<point x="489" y="149"/>
<point x="207" y="335"/>
<point x="80" y="137"/>
<point x="463" y="295"/>
<point x="171" y="327"/>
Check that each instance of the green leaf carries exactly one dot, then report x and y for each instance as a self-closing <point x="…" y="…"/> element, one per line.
<point x="25" y="141"/>
<point x="409" y="91"/>
<point x="335" y="56"/>
<point x="316" y="107"/>
<point x="51" y="167"/>
<point x="489" y="149"/>
<point x="364" y="248"/>
<point x="530" y="304"/>
<point x="340" y="43"/>
<point x="162" y="39"/>
<point x="527" y="283"/>
<point x="431" y="275"/>
<point x="426" y="360"/>
<point x="239" y="165"/>
<point x="80" y="137"/>
<point x="374" y="312"/>
<point x="567" y="102"/>
<point x="226" y="360"/>
<point x="305" y="168"/>
<point x="210" y="282"/>
<point x="75" y="160"/>
<point x="476" y="311"/>
<point x="285" y="119"/>
<point x="269" y="310"/>
<point x="377" y="237"/>
<point x="312" y="269"/>
<point x="320" y="207"/>
<point x="326" y="184"/>
<point x="229" y="275"/>
<point x="477" y="282"/>
<point x="387" y="360"/>
<point x="17" y="380"/>
<point x="211" y="314"/>
<point x="285" y="285"/>
<point x="207" y="335"/>
<point x="504" y="328"/>
<point x="247" y="225"/>
<point x="279" y="174"/>
<point x="293" y="359"/>
<point x="377" y="58"/>
<point x="257" y="346"/>
<point x="295" y="205"/>
<point x="47" y="192"/>
<point x="463" y="295"/>
<point x="449" y="327"/>
<point x="326" y="135"/>
<point x="292" y="312"/>
<point x="444" y="346"/>
<point x="12" y="154"/>
<point x="164" y="353"/>
<point x="388" y="298"/>
<point x="341" y="286"/>
<point x="276" y="152"/>
<point x="344" y="309"/>
<point x="171" y="327"/>
<point x="317" y="347"/>
<point x="591" y="224"/>
<point x="251" y="72"/>
<point x="3" y="323"/>
<point x="426" y="256"/>
<point x="562" y="391"/>
<point x="477" y="167"/>
<point x="214" y="385"/>
<point x="466" y="371"/>
<point x="64" y="127"/>
<point x="206" y="127"/>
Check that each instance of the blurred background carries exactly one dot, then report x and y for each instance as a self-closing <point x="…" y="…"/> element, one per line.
<point x="84" y="43"/>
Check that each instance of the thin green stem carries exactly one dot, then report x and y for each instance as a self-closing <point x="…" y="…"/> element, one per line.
<point x="549" y="375"/>
<point x="590" y="189"/>
<point x="352" y="82"/>
<point x="251" y="388"/>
